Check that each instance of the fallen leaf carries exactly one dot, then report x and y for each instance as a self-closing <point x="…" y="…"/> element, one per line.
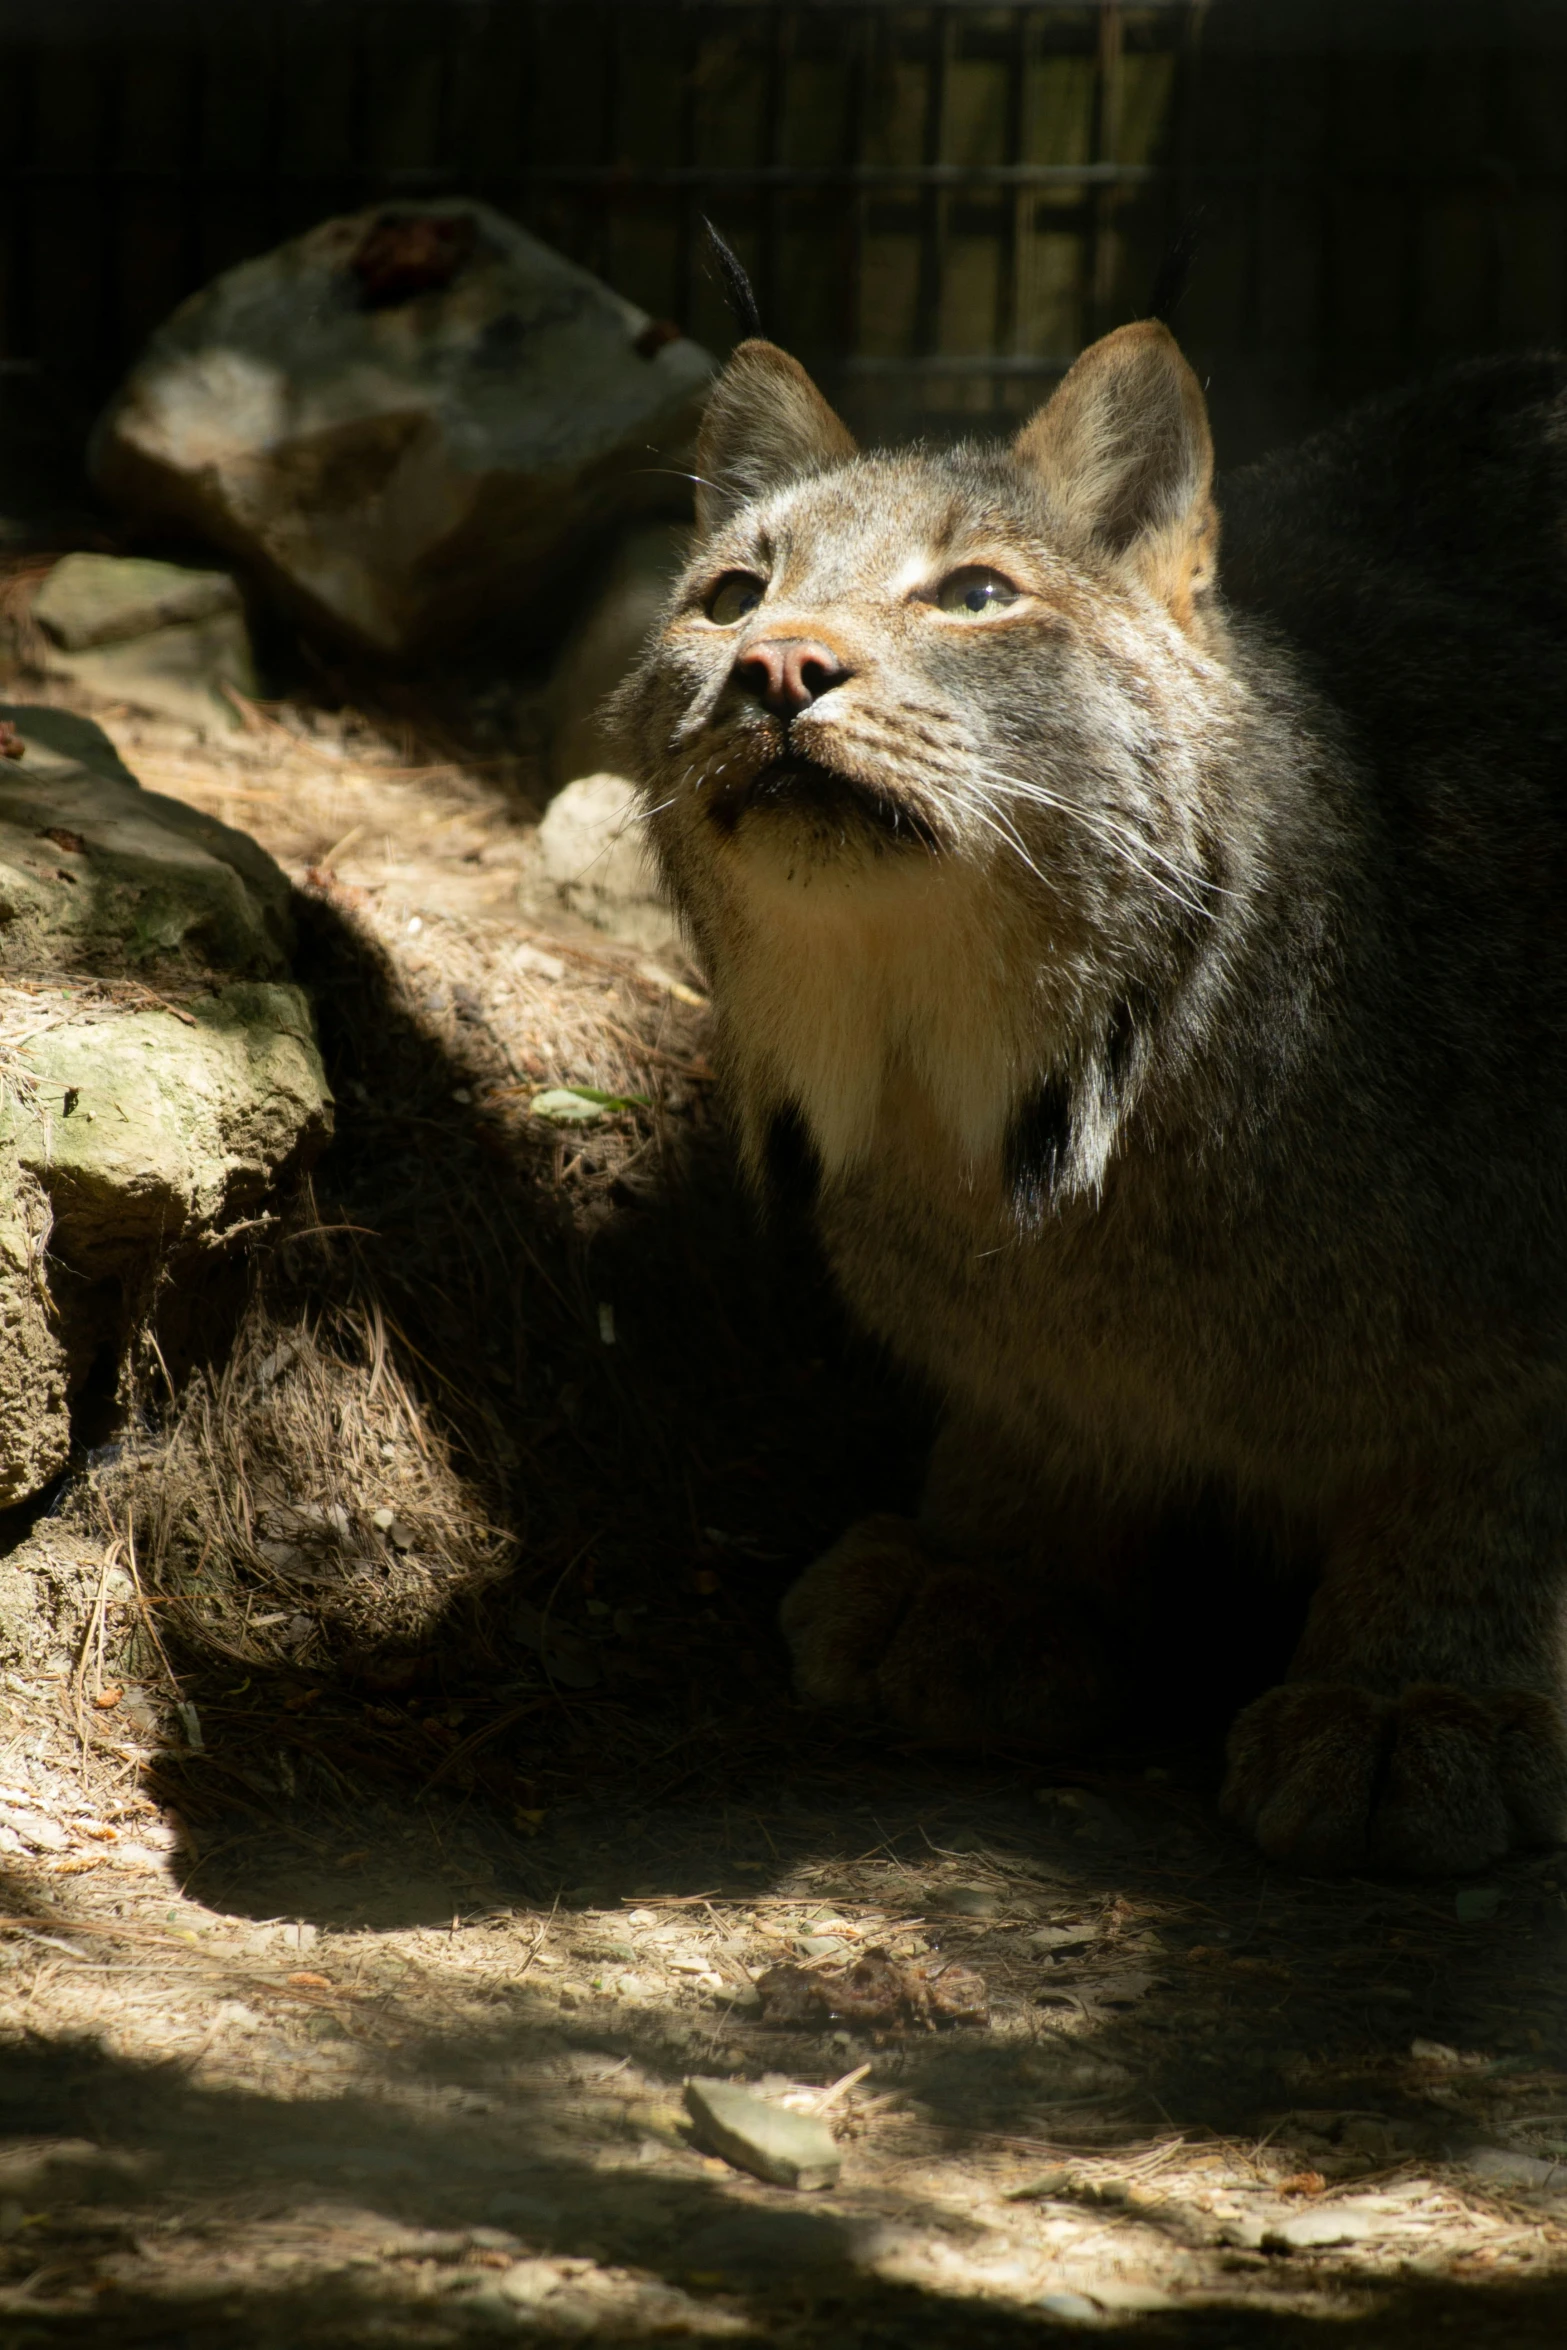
<point x="576" y="1105"/>
<point x="1124" y="1990"/>
<point x="1064" y="1937"/>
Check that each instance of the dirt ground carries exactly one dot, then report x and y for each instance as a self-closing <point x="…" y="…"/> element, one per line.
<point x="353" y="1967"/>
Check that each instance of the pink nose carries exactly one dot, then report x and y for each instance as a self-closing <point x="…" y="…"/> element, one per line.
<point x="789" y="673"/>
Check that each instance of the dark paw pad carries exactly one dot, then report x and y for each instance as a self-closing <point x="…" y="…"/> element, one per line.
<point x="1433" y="1781"/>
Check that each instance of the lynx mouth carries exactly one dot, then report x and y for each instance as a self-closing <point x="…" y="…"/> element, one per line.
<point x="820" y="795"/>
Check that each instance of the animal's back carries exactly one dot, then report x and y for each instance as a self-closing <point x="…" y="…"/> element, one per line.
<point x="1413" y="560"/>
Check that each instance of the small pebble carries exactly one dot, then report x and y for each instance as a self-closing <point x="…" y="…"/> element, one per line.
<point x="1325" y="2223"/>
<point x="1073" y="2309"/>
<point x="1506" y="2168"/>
<point x="971" y="1901"/>
<point x="1049" y="2183"/>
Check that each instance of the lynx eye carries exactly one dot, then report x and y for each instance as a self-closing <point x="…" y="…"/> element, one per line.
<point x="976" y="590"/>
<point x="736" y="594"/>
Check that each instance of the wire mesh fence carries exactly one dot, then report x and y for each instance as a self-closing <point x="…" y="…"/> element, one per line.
<point x="939" y="204"/>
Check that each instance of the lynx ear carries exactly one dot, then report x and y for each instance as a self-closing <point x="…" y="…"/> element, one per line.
<point x="765" y="423"/>
<point x="1126" y="459"/>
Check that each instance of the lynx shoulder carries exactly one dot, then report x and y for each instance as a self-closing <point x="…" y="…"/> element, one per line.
<point x="1156" y="944"/>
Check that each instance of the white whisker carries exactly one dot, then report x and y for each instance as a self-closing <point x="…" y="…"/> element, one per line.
<point x="1005" y="833"/>
<point x="1136" y="852"/>
<point x="1027" y="788"/>
<point x="675" y="474"/>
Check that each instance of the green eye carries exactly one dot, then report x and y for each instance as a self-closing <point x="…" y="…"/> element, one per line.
<point x="976" y="590"/>
<point x="736" y="594"/>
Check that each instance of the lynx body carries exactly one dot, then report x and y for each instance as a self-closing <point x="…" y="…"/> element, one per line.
<point x="1167" y="978"/>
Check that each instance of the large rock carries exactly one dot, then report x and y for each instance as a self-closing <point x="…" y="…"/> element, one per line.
<point x="146" y="1127"/>
<point x="35" y="1359"/>
<point x="404" y="421"/>
<point x="90" y="600"/>
<point x="159" y="1077"/>
<point x="158" y="635"/>
<point x="98" y="875"/>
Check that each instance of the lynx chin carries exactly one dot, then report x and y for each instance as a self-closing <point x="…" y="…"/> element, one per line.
<point x="1160" y="954"/>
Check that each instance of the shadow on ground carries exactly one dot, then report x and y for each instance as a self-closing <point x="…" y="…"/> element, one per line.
<point x="150" y="2150"/>
<point x="670" y="1483"/>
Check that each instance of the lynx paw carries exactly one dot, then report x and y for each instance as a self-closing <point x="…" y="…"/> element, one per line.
<point x="1433" y="1782"/>
<point x="955" y="1654"/>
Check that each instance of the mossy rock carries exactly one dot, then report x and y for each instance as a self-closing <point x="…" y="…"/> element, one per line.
<point x="145" y="1126"/>
<point x="159" y="1078"/>
<point x="98" y="875"/>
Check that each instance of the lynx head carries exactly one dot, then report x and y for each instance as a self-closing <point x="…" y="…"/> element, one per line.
<point x="920" y="741"/>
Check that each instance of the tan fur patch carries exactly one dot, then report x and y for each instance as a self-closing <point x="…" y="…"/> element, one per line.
<point x="848" y="985"/>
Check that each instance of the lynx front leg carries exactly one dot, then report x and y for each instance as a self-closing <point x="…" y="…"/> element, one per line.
<point x="963" y="1656"/>
<point x="1004" y="1616"/>
<point x="1422" y="1727"/>
<point x="999" y="1617"/>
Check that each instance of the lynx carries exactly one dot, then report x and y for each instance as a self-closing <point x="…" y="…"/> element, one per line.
<point x="1164" y="969"/>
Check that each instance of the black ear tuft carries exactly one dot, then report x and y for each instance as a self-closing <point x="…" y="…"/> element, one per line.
<point x="1173" y="274"/>
<point x="739" y="292"/>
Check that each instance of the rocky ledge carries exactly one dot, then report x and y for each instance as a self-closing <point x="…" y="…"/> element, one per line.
<point x="159" y="1077"/>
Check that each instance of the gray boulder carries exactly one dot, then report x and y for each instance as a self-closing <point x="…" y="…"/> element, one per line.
<point x="97" y="875"/>
<point x="403" y="421"/>
<point x="156" y="634"/>
<point x="593" y="849"/>
<point x="159" y="1077"/>
<point x="89" y="600"/>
